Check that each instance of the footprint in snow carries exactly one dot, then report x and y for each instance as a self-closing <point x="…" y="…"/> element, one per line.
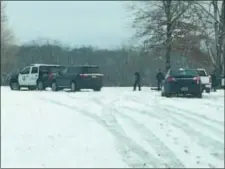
<point x="175" y="140"/>
<point x="166" y="166"/>
<point x="198" y="160"/>
<point x="211" y="165"/>
<point x="215" y="154"/>
<point x="186" y="150"/>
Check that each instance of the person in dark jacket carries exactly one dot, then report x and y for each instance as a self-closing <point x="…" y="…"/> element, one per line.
<point x="137" y="81"/>
<point x="213" y="80"/>
<point x="159" y="78"/>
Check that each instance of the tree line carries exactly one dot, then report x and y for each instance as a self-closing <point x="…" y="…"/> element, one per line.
<point x="173" y="34"/>
<point x="118" y="65"/>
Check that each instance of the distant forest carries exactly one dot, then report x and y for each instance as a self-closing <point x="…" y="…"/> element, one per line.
<point x="118" y="65"/>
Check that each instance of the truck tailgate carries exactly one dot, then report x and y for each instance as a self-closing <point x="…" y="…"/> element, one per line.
<point x="205" y="79"/>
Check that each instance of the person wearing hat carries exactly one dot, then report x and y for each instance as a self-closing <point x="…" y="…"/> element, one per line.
<point x="137" y="81"/>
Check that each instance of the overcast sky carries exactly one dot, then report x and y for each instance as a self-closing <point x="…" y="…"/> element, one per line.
<point x="101" y="23"/>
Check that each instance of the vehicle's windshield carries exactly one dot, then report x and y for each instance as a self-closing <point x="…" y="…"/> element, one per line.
<point x="201" y="73"/>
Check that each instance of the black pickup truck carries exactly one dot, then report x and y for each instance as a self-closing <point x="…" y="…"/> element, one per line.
<point x="77" y="78"/>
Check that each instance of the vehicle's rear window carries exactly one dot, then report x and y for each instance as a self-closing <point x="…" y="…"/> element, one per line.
<point x="90" y="70"/>
<point x="201" y="73"/>
<point x="187" y="72"/>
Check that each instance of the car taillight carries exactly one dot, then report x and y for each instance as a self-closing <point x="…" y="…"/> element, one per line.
<point x="197" y="79"/>
<point x="171" y="79"/>
<point x="83" y="75"/>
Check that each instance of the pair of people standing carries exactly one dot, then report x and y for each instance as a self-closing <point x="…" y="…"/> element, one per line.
<point x="137" y="81"/>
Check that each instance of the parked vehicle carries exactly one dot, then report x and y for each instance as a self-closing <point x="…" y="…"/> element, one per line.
<point x="34" y="76"/>
<point x="77" y="78"/>
<point x="182" y="81"/>
<point x="205" y="80"/>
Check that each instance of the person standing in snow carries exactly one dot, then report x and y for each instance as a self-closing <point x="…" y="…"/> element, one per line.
<point x="159" y="78"/>
<point x="213" y="80"/>
<point x="137" y="81"/>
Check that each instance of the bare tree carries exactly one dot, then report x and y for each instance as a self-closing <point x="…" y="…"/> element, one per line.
<point x="214" y="27"/>
<point x="8" y="48"/>
<point x="161" y="23"/>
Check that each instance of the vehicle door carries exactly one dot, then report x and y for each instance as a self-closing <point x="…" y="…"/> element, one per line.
<point x="72" y="74"/>
<point x="23" y="76"/>
<point x="62" y="77"/>
<point x="33" y="76"/>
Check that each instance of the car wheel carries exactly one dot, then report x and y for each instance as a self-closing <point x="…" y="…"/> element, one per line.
<point x="167" y="94"/>
<point x="54" y="86"/>
<point x="73" y="87"/>
<point x="202" y="89"/>
<point x="199" y="95"/>
<point x="207" y="90"/>
<point x="40" y="85"/>
<point x="97" y="89"/>
<point x="14" y="86"/>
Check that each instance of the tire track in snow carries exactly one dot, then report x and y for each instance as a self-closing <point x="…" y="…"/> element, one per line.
<point x="203" y="140"/>
<point x="187" y="118"/>
<point x="216" y="148"/>
<point x="200" y="117"/>
<point x="170" y="159"/>
<point x="108" y="107"/>
<point x="124" y="142"/>
<point x="168" y="156"/>
<point x="195" y="121"/>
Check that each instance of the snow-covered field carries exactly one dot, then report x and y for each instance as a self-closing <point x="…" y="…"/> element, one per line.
<point x="112" y="128"/>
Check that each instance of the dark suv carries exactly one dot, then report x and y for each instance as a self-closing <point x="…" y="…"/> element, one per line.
<point x="77" y="78"/>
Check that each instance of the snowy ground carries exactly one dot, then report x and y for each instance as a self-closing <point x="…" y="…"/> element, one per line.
<point x="112" y="128"/>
